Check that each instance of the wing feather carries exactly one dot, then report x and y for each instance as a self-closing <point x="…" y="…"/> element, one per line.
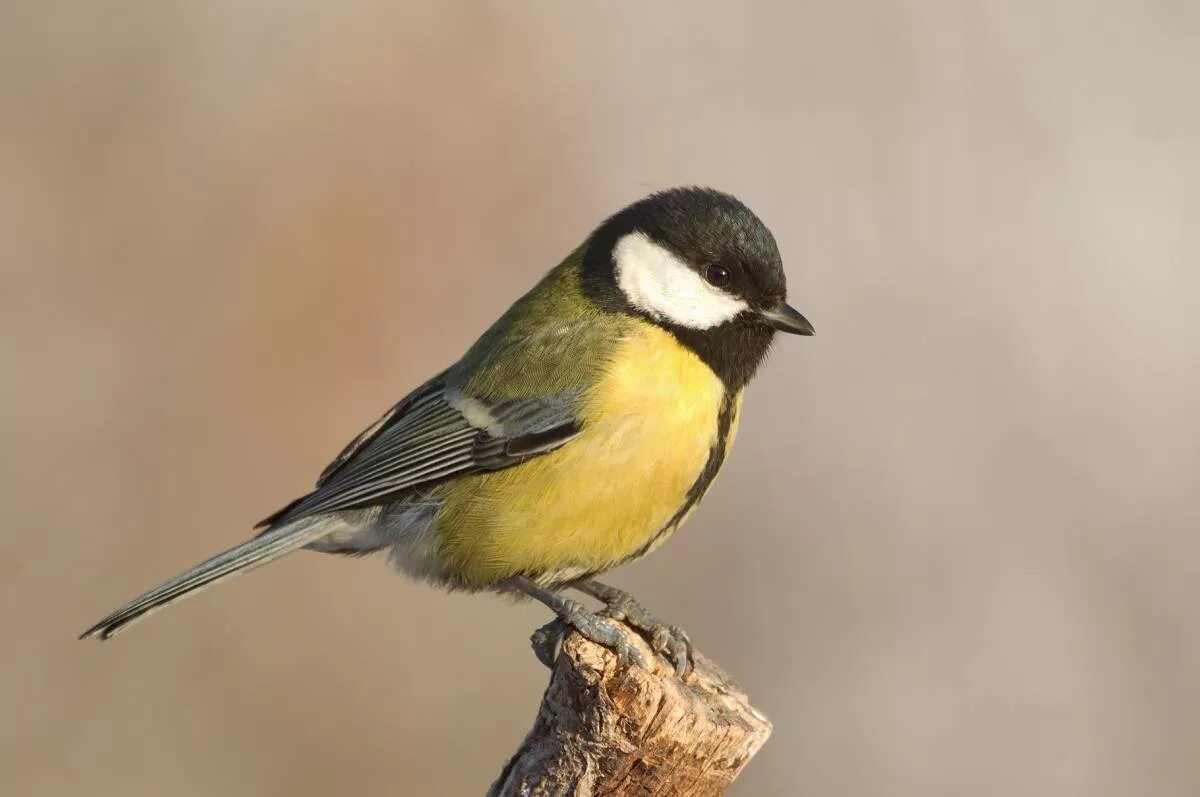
<point x="435" y="433"/>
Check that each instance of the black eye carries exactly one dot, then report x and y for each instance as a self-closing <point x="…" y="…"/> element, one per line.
<point x="717" y="275"/>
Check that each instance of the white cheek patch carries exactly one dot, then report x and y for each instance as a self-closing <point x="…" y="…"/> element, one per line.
<point x="658" y="282"/>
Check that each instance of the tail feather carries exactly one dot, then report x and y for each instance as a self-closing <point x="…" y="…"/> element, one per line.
<point x="267" y="547"/>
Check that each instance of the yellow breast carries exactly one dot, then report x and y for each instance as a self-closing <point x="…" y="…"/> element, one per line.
<point x="647" y="428"/>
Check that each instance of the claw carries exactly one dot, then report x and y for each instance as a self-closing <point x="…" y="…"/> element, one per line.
<point x="545" y="641"/>
<point x="594" y="628"/>
<point x="669" y="641"/>
<point x="572" y="614"/>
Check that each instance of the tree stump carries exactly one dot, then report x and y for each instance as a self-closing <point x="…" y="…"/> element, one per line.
<point x="610" y="729"/>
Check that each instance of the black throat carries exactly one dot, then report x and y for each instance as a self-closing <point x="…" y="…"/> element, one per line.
<point x="734" y="350"/>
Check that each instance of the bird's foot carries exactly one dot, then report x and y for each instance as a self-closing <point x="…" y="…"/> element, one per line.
<point x="592" y="627"/>
<point x="667" y="640"/>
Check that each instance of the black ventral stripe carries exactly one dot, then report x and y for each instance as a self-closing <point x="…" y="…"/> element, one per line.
<point x="716" y="458"/>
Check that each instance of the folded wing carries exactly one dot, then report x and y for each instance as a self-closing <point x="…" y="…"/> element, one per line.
<point x="434" y="434"/>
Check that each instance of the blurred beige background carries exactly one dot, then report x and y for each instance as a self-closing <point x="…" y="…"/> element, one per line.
<point x="956" y="548"/>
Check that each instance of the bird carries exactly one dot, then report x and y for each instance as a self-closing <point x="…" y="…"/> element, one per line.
<point x="575" y="435"/>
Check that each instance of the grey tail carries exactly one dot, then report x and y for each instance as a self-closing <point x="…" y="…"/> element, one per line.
<point x="266" y="547"/>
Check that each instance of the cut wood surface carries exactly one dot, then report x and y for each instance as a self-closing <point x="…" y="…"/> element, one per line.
<point x="605" y="728"/>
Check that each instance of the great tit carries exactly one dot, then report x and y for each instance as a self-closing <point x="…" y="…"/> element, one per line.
<point x="575" y="435"/>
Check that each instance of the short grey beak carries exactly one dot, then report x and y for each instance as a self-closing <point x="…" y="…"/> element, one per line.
<point x="786" y="318"/>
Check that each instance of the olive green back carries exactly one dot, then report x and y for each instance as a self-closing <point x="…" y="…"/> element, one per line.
<point x="553" y="340"/>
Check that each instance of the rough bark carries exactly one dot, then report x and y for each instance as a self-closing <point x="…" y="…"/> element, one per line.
<point x="608" y="729"/>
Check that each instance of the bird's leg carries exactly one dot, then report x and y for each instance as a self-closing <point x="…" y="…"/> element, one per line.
<point x="573" y="614"/>
<point x="667" y="640"/>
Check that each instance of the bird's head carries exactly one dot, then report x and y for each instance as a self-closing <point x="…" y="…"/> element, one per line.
<point x="700" y="264"/>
